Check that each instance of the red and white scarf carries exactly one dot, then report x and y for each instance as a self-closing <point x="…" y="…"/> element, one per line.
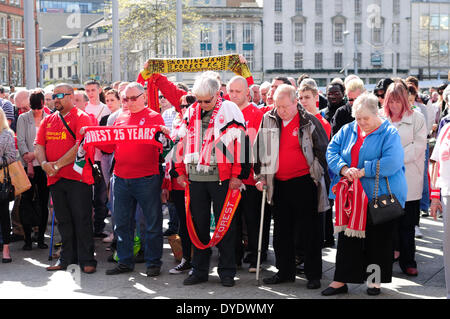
<point x="351" y="208"/>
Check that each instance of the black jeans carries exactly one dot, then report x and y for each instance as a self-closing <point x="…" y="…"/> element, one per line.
<point x="38" y="185"/>
<point x="5" y="222"/>
<point x="72" y="201"/>
<point x="296" y="216"/>
<point x="177" y="196"/>
<point x="100" y="201"/>
<point x="202" y="195"/>
<point x="406" y="235"/>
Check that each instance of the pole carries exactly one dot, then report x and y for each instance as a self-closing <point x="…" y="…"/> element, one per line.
<point x="261" y="224"/>
<point x="179" y="36"/>
<point x="356" y="54"/>
<point x="80" y="64"/>
<point x="115" y="41"/>
<point x="41" y="60"/>
<point x="30" y="44"/>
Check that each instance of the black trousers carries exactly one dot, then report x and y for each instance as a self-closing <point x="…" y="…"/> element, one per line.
<point x="355" y="254"/>
<point x="72" y="201"/>
<point x="202" y="195"/>
<point x="99" y="202"/>
<point x="296" y="213"/>
<point x="38" y="185"/>
<point x="249" y="211"/>
<point x="406" y="235"/>
<point x="177" y="196"/>
<point x="5" y="222"/>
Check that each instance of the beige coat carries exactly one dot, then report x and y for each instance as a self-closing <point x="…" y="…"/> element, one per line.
<point x="413" y="134"/>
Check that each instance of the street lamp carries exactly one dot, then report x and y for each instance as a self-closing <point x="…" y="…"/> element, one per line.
<point x="346" y="34"/>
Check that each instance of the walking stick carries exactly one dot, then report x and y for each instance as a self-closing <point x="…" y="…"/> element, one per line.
<point x="50" y="253"/>
<point x="261" y="223"/>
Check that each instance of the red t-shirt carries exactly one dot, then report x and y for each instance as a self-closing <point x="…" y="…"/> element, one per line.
<point x="325" y="124"/>
<point x="291" y="161"/>
<point x="137" y="160"/>
<point x="57" y="140"/>
<point x="253" y="117"/>
<point x="357" y="146"/>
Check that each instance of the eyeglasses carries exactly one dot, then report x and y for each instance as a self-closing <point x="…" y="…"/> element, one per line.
<point x="351" y="100"/>
<point x="161" y="97"/>
<point x="205" y="101"/>
<point x="59" y="95"/>
<point x="380" y="95"/>
<point x="131" y="98"/>
<point x="184" y="106"/>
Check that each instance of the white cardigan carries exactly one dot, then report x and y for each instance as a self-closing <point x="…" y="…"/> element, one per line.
<point x="413" y="134"/>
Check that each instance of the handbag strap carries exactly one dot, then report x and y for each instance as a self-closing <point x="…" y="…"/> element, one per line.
<point x="377" y="179"/>
<point x="6" y="176"/>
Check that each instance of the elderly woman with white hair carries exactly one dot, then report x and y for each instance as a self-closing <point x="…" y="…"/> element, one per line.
<point x="353" y="154"/>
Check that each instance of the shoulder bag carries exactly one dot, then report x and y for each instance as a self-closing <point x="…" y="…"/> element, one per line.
<point x="6" y="186"/>
<point x="383" y="208"/>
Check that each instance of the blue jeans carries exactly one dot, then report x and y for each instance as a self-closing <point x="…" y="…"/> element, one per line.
<point x="425" y="201"/>
<point x="144" y="191"/>
<point x="173" y="224"/>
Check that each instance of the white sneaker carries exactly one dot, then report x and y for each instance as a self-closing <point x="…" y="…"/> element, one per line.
<point x="109" y="239"/>
<point x="184" y="265"/>
<point x="418" y="233"/>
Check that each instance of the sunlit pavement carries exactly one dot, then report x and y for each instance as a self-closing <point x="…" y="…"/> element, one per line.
<point x="26" y="277"/>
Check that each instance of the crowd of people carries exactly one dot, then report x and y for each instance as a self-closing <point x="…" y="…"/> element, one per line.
<point x="307" y="151"/>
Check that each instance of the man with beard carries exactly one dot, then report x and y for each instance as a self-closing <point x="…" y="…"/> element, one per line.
<point x="335" y="97"/>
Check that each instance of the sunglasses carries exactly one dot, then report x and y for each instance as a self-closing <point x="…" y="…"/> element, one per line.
<point x="205" y="101"/>
<point x="351" y="100"/>
<point x="59" y="95"/>
<point x="161" y="97"/>
<point x="131" y="98"/>
<point x="184" y="106"/>
<point x="380" y="95"/>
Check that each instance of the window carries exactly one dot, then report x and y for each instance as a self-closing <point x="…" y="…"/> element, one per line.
<point x="318" y="32"/>
<point x="358" y="7"/>
<point x="2" y="27"/>
<point x="249" y="56"/>
<point x="298" y="60"/>
<point x="358" y="32"/>
<point x="60" y="72"/>
<point x="318" y="60"/>
<point x="338" y="58"/>
<point x="230" y="32"/>
<point x="359" y="59"/>
<point x="377" y="34"/>
<point x="51" y="73"/>
<point x="205" y="36"/>
<point x="298" y="32"/>
<point x="247" y="35"/>
<point x="444" y="22"/>
<point x="396" y="33"/>
<point x="396" y="6"/>
<point x="339" y="6"/>
<point x="424" y="22"/>
<point x="318" y="7"/>
<point x="338" y="33"/>
<point x="278" y="60"/>
<point x="278" y="32"/>
<point x="3" y="70"/>
<point x="278" y="7"/>
<point x="435" y="22"/>
<point x="69" y="72"/>
<point x="298" y="5"/>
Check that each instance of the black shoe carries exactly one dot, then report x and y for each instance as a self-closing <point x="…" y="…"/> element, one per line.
<point x="168" y="233"/>
<point x="313" y="284"/>
<point x="27" y="246"/>
<point x="275" y="279"/>
<point x="6" y="260"/>
<point x="425" y="213"/>
<point x="100" y="235"/>
<point x="42" y="245"/>
<point x="227" y="281"/>
<point x="153" y="271"/>
<point x="139" y="259"/>
<point x="111" y="259"/>
<point x="119" y="269"/>
<point x="328" y="244"/>
<point x="193" y="280"/>
<point x="373" y="291"/>
<point x="330" y="291"/>
<point x="300" y="269"/>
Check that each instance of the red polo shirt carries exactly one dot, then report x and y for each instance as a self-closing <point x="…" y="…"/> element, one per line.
<point x="291" y="161"/>
<point x="253" y="117"/>
<point x="57" y="140"/>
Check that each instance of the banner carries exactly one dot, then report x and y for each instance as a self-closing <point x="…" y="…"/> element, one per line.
<point x="228" y="62"/>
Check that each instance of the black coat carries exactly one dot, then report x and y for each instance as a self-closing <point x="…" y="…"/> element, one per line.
<point x="342" y="116"/>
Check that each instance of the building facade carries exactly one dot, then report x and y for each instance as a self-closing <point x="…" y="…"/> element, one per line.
<point x="430" y="38"/>
<point x="332" y="38"/>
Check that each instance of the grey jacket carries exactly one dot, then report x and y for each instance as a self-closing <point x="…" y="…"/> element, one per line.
<point x="313" y="141"/>
<point x="7" y="147"/>
<point x="26" y="133"/>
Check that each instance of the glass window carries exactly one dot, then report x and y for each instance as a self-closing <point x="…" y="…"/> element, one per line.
<point x="298" y="32"/>
<point x="424" y="22"/>
<point x="230" y="33"/>
<point x="358" y="8"/>
<point x="396" y="6"/>
<point x="358" y="32"/>
<point x="298" y="5"/>
<point x="278" y="32"/>
<point x="318" y="33"/>
<point x="444" y="22"/>
<point x="298" y="60"/>
<point x="278" y="5"/>
<point x="318" y="60"/>
<point x="248" y="33"/>
<point x="318" y="7"/>
<point x="278" y="58"/>
<point x="338" y="60"/>
<point x="338" y="33"/>
<point x="435" y="22"/>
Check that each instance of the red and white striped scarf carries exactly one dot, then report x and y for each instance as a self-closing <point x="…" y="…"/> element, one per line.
<point x="351" y="208"/>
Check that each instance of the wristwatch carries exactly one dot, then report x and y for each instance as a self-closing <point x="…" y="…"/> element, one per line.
<point x="43" y="163"/>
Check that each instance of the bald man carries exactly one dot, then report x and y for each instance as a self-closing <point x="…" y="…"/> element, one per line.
<point x="22" y="101"/>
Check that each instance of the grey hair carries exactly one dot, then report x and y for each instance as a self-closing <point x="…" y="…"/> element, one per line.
<point x="446" y="94"/>
<point x="206" y="85"/>
<point x="285" y="89"/>
<point x="264" y="85"/>
<point x="366" y="101"/>
<point x="136" y="85"/>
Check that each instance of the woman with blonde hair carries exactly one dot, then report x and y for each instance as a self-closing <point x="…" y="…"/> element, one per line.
<point x="8" y="154"/>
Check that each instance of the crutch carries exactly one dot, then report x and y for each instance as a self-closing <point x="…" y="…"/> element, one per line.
<point x="50" y="253"/>
<point x="261" y="223"/>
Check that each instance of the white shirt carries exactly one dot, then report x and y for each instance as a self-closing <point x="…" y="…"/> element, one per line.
<point x="98" y="110"/>
<point x="441" y="154"/>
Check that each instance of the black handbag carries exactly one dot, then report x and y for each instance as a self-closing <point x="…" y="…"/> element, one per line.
<point x="7" y="192"/>
<point x="96" y="171"/>
<point x="383" y="208"/>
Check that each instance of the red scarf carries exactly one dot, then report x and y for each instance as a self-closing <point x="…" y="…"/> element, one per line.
<point x="351" y="208"/>
<point x="226" y="216"/>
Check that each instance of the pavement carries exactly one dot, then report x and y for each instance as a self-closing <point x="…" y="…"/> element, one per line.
<point x="26" y="277"/>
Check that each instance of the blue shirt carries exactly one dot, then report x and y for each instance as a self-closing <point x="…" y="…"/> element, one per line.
<point x="385" y="145"/>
